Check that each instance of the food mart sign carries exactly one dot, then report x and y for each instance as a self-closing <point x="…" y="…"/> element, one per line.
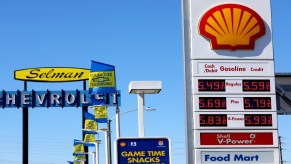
<point x="238" y="156"/>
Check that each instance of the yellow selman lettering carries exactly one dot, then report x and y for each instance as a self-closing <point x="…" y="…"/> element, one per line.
<point x="52" y="74"/>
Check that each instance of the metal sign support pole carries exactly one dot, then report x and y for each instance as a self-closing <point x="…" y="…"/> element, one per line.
<point x="84" y="109"/>
<point x="109" y="141"/>
<point x="25" y="131"/>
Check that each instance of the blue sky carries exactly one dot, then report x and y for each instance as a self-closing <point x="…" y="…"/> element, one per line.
<point x="141" y="38"/>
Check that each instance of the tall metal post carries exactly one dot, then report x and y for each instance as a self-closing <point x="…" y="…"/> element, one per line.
<point x="106" y="147"/>
<point x="140" y="101"/>
<point x="109" y="141"/>
<point x="84" y="108"/>
<point x="25" y="131"/>
<point x="97" y="151"/>
<point x="117" y="122"/>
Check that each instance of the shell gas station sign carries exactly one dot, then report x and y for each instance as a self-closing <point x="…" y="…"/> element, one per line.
<point x="236" y="29"/>
<point x="230" y="103"/>
<point x="231" y="26"/>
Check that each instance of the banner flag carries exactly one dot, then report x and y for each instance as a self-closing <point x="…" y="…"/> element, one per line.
<point x="89" y="137"/>
<point x="86" y="143"/>
<point x="89" y="116"/>
<point x="80" y="158"/>
<point x="90" y="123"/>
<point x="101" y="80"/>
<point x="100" y="113"/>
<point x="78" y="148"/>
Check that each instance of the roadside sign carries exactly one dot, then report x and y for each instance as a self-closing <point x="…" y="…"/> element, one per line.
<point x="143" y="151"/>
<point x="232" y="68"/>
<point x="235" y="138"/>
<point x="230" y="86"/>
<point x="237" y="156"/>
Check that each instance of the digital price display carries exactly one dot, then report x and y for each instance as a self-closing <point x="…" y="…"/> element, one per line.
<point x="258" y="120"/>
<point x="233" y="85"/>
<point x="257" y="103"/>
<point x="211" y="85"/>
<point x="212" y="102"/>
<point x="213" y="120"/>
<point x="256" y="85"/>
<point x="234" y="103"/>
<point x="219" y="120"/>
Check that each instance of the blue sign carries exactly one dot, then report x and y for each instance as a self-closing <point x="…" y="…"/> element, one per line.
<point x="143" y="151"/>
<point x="74" y="98"/>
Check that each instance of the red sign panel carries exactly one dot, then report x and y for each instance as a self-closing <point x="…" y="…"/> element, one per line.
<point x="257" y="138"/>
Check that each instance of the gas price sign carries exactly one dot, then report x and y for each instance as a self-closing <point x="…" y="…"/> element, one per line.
<point x="232" y="68"/>
<point x="220" y="120"/>
<point x="235" y="103"/>
<point x="235" y="138"/>
<point x="233" y="85"/>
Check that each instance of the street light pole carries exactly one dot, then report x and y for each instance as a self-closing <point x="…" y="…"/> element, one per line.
<point x="107" y="160"/>
<point x="109" y="139"/>
<point x="140" y="102"/>
<point x="117" y="122"/>
<point x="97" y="142"/>
<point x="140" y="88"/>
<point x="94" y="158"/>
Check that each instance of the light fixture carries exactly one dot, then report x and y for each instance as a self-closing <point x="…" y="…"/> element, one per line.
<point x="145" y="87"/>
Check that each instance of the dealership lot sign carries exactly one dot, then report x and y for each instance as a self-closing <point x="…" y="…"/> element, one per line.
<point x="52" y="74"/>
<point x="17" y="99"/>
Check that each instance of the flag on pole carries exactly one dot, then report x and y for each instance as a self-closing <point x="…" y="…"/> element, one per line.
<point x="86" y="143"/>
<point x="100" y="113"/>
<point x="101" y="80"/>
<point x="89" y="137"/>
<point x="90" y="123"/>
<point x="89" y="116"/>
<point x="80" y="158"/>
<point x="78" y="148"/>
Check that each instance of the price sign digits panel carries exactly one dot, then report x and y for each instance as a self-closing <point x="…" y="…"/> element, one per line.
<point x="235" y="120"/>
<point x="234" y="85"/>
<point x="211" y="103"/>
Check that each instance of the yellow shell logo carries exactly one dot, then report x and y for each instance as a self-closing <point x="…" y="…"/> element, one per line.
<point x="232" y="27"/>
